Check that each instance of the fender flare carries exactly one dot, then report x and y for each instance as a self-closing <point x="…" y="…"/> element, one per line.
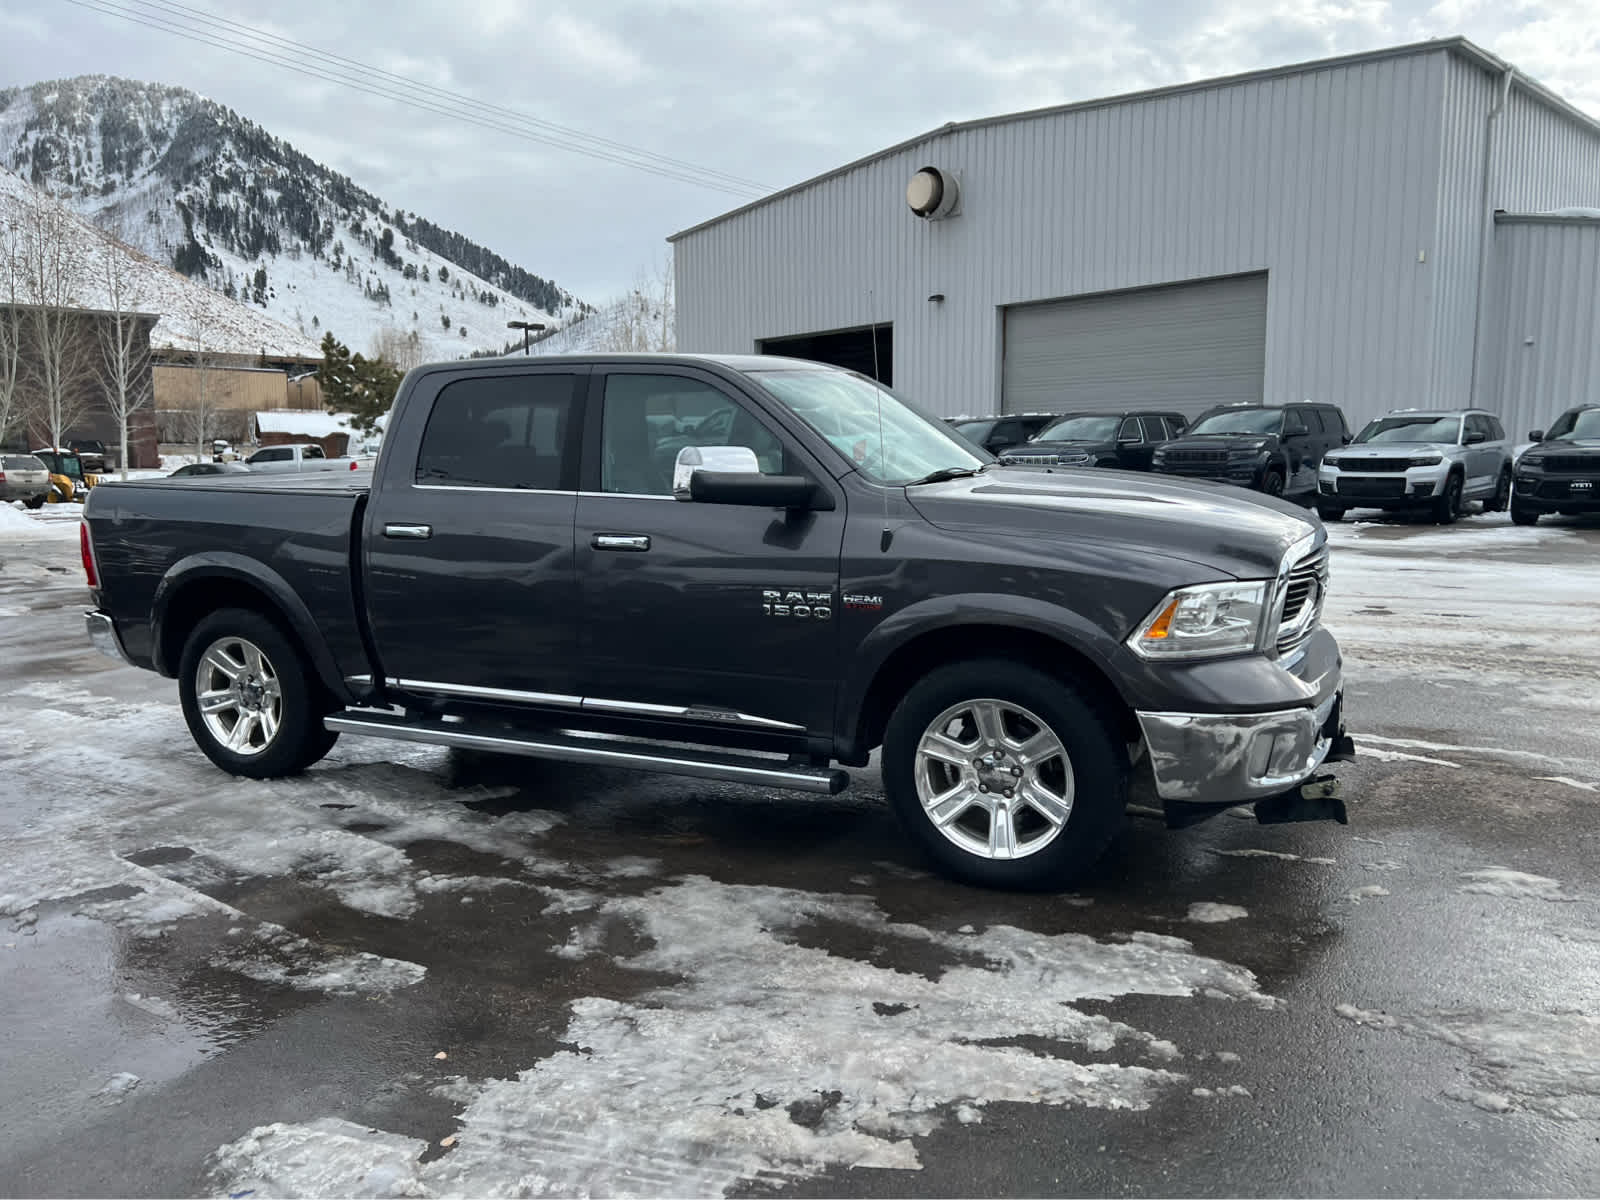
<point x="988" y="609"/>
<point x="223" y="564"/>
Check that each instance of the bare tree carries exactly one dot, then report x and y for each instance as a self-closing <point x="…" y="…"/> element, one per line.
<point x="61" y="355"/>
<point x="124" y="342"/>
<point x="643" y="320"/>
<point x="12" y="331"/>
<point x="199" y="406"/>
<point x="401" y="349"/>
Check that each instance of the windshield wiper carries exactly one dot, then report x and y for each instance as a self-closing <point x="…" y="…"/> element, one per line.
<point x="944" y="473"/>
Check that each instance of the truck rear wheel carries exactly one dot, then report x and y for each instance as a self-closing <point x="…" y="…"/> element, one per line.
<point x="1003" y="775"/>
<point x="249" y="698"/>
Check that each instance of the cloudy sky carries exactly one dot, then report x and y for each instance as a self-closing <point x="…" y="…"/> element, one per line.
<point x="767" y="90"/>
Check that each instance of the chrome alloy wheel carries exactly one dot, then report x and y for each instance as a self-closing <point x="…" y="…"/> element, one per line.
<point x="994" y="779"/>
<point x="239" y="695"/>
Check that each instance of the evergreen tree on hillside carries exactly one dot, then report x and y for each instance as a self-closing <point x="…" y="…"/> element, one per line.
<point x="352" y="383"/>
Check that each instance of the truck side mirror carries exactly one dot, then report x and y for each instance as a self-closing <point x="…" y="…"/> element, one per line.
<point x="732" y="475"/>
<point x="1536" y="435"/>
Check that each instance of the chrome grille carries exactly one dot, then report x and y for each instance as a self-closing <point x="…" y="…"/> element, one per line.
<point x="1031" y="460"/>
<point x="1304" y="592"/>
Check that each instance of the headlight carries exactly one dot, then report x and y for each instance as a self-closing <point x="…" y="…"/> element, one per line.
<point x="1425" y="460"/>
<point x="1330" y="460"/>
<point x="1536" y="461"/>
<point x="1159" y="456"/>
<point x="1202" y="621"/>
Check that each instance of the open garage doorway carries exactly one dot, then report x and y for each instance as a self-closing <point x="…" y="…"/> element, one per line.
<point x="848" y="348"/>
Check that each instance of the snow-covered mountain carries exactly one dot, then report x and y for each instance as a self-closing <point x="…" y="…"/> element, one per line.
<point x="193" y="316"/>
<point x="194" y="185"/>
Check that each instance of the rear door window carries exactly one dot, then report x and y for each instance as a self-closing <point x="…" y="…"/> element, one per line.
<point x="502" y="431"/>
<point x="1155" y="429"/>
<point x="313" y="452"/>
<point x="278" y="454"/>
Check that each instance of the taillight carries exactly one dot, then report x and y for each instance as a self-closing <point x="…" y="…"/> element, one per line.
<point x="352" y="467"/>
<point x="87" y="547"/>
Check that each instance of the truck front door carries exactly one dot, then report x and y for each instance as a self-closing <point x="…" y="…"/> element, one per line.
<point x="720" y="611"/>
<point x="470" y="581"/>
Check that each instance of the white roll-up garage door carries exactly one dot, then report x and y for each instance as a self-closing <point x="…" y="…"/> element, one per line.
<point x="1183" y="347"/>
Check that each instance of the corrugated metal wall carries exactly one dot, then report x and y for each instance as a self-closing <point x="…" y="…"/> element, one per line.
<point x="1540" y="159"/>
<point x="1324" y="180"/>
<point x="1545" y="356"/>
<point x="1332" y="180"/>
<point x="1327" y="180"/>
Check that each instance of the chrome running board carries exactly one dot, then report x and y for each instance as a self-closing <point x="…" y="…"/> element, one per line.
<point x="599" y="751"/>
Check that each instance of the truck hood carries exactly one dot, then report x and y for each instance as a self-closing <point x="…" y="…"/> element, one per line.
<point x="1231" y="530"/>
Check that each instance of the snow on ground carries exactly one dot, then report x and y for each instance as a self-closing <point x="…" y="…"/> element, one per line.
<point x="1544" y="1062"/>
<point x="1479" y="604"/>
<point x="1208" y="912"/>
<point x="1514" y="885"/>
<point x="769" y="1059"/>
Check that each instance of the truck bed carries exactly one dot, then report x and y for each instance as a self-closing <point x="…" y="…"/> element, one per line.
<point x="293" y="535"/>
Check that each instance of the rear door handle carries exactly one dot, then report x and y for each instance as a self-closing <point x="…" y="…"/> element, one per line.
<point x="420" y="533"/>
<point x="620" y="541"/>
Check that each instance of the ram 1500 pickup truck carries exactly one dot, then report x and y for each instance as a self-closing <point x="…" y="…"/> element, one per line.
<point x="745" y="568"/>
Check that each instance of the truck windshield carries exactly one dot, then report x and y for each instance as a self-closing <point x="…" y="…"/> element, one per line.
<point x="1239" y="420"/>
<point x="1569" y="427"/>
<point x="1080" y="429"/>
<point x="1419" y="427"/>
<point x="844" y="409"/>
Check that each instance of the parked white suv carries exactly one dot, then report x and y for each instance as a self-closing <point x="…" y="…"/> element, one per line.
<point x="1419" y="459"/>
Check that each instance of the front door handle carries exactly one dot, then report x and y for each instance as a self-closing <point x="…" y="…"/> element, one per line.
<point x="620" y="541"/>
<point x="420" y="533"/>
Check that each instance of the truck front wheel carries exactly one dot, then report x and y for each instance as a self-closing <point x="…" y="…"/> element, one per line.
<point x="249" y="699"/>
<point x="1003" y="775"/>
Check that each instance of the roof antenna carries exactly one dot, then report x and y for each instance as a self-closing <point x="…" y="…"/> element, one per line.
<point x="883" y="458"/>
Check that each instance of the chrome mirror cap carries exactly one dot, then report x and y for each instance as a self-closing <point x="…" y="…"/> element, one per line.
<point x="723" y="459"/>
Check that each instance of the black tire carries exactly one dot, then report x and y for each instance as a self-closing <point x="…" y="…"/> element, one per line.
<point x="1272" y="482"/>
<point x="300" y="738"/>
<point x="1098" y="764"/>
<point x="1447" y="507"/>
<point x="1502" y="493"/>
<point x="1330" y="512"/>
<point x="1523" y="516"/>
<point x="35" y="502"/>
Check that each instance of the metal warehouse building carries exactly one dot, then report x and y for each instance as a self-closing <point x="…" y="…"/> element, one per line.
<point x="1413" y="227"/>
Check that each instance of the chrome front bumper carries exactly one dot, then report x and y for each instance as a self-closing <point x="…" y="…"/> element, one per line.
<point x="103" y="636"/>
<point x="1223" y="758"/>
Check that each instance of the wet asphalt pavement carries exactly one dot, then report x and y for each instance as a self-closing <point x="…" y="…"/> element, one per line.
<point x="414" y="972"/>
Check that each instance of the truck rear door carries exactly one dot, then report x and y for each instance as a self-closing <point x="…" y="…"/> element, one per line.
<point x="470" y="582"/>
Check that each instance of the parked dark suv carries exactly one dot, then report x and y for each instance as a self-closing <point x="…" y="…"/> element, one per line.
<point x="1561" y="474"/>
<point x="1273" y="448"/>
<point x="1101" y="439"/>
<point x="996" y="434"/>
<point x="91" y="453"/>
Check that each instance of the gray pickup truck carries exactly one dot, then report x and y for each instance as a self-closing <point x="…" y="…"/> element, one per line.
<point x="745" y="568"/>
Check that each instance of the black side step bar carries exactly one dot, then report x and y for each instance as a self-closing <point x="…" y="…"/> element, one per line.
<point x="604" y="752"/>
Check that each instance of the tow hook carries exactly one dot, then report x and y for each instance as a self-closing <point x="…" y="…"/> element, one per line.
<point x="1316" y="799"/>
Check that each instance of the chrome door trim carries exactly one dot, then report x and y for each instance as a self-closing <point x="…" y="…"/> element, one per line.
<point x="687" y="712"/>
<point x="399" y="529"/>
<point x="461" y="487"/>
<point x="471" y="692"/>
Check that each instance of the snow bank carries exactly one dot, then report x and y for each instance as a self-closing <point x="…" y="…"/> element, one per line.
<point x="17" y="524"/>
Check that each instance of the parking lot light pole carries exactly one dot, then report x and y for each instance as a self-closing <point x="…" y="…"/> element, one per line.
<point x="527" y="328"/>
